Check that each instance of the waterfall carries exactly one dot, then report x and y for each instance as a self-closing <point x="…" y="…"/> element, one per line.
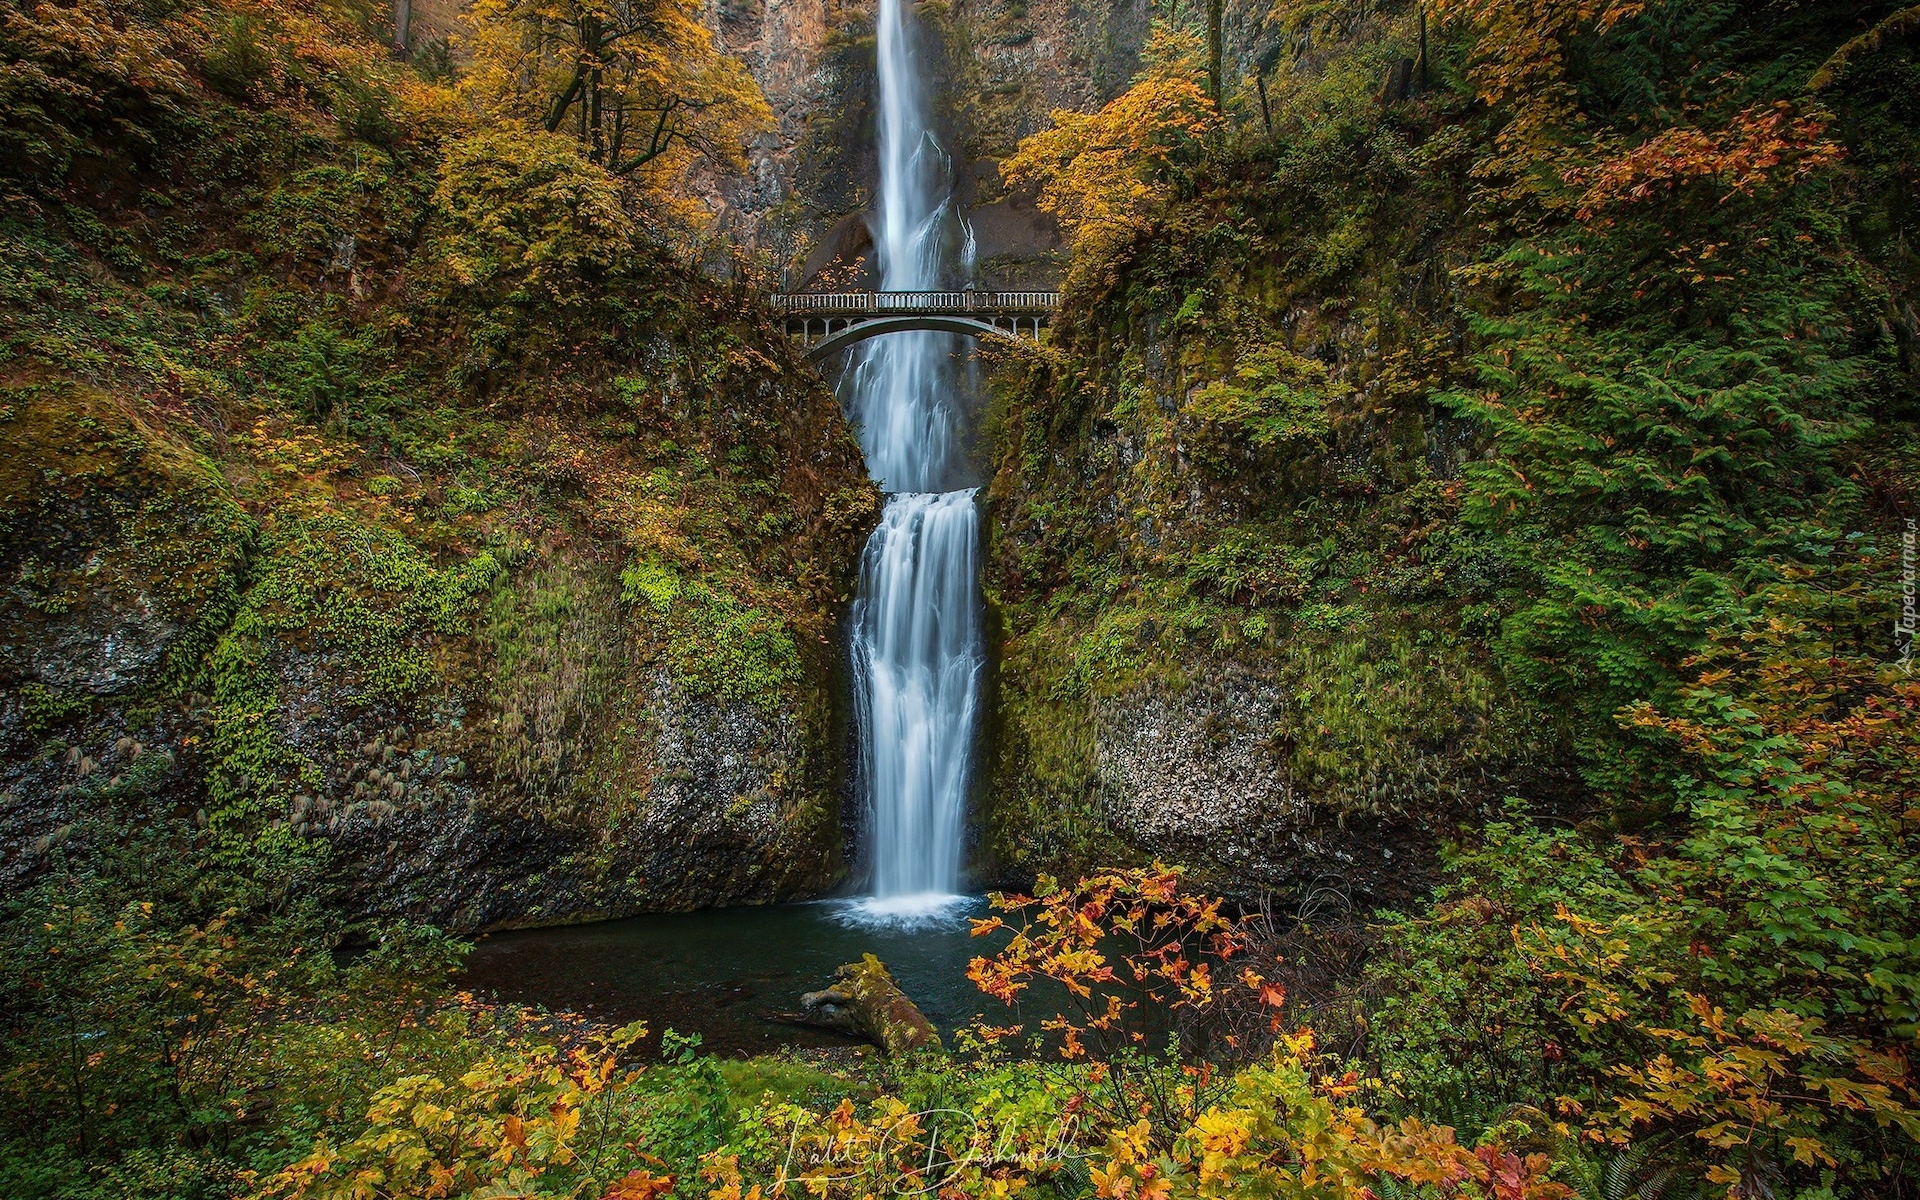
<point x="916" y="619"/>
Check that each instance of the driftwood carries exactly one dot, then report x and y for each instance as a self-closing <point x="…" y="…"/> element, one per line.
<point x="864" y="1001"/>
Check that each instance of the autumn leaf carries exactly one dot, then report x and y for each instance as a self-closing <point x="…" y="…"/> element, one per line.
<point x="639" y="1185"/>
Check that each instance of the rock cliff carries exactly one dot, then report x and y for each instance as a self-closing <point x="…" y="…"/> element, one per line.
<point x="998" y="69"/>
<point x="571" y="670"/>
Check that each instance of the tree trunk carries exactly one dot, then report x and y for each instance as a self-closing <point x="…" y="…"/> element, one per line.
<point x="1216" y="17"/>
<point x="402" y="25"/>
<point x="1423" y="49"/>
<point x="593" y="40"/>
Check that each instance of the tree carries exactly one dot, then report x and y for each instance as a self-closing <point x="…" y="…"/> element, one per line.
<point x="1100" y="174"/>
<point x="638" y="83"/>
<point x="1216" y="19"/>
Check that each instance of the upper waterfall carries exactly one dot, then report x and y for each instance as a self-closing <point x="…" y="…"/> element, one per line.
<point x="901" y="391"/>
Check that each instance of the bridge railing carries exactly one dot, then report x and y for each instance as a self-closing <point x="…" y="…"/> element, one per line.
<point x="919" y="302"/>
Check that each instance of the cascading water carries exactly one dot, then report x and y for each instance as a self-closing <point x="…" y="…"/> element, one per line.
<point x="916" y="636"/>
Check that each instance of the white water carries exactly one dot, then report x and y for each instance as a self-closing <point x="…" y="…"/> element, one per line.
<point x="916" y="636"/>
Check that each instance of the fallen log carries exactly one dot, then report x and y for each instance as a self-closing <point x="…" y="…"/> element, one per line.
<point x="865" y="1002"/>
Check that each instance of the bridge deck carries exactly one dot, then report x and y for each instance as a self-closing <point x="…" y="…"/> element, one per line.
<point x="826" y="323"/>
<point x="874" y="304"/>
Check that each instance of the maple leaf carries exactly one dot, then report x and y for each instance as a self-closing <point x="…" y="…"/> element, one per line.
<point x="639" y="1185"/>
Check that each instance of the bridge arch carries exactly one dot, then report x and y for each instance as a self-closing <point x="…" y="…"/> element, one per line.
<point x="824" y="323"/>
<point x="859" y="331"/>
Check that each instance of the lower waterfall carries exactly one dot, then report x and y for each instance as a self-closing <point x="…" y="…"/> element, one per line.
<point x="917" y="660"/>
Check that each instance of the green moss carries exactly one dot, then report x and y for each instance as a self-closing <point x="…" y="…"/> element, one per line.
<point x="98" y="505"/>
<point x="1044" y="808"/>
<point x="751" y="1081"/>
<point x="1395" y="720"/>
<point x="329" y="582"/>
<point x="560" y="680"/>
<point x="717" y="645"/>
<point x="363" y="600"/>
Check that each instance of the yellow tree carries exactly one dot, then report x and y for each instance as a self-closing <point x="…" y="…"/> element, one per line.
<point x="1099" y="173"/>
<point x="638" y="82"/>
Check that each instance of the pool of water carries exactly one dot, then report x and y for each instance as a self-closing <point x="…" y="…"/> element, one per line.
<point x="726" y="974"/>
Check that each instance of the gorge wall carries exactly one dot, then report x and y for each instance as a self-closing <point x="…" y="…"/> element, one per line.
<point x="1240" y="624"/>
<point x="504" y="583"/>
<point x="384" y="521"/>
<point x="1000" y="67"/>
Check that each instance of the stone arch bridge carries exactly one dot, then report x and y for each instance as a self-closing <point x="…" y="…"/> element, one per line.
<point x="825" y="323"/>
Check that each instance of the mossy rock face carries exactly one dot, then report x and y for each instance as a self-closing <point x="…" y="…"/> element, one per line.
<point x="415" y="727"/>
<point x="430" y="580"/>
<point x="441" y="737"/>
<point x="122" y="557"/>
<point x="1240" y="620"/>
<point x="122" y="550"/>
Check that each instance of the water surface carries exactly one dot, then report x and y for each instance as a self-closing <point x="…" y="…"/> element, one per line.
<point x="727" y="973"/>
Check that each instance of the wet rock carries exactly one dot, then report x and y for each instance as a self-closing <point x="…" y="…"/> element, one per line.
<point x="113" y="550"/>
<point x="727" y="805"/>
<point x="1197" y="775"/>
<point x="106" y="644"/>
<point x="1194" y="772"/>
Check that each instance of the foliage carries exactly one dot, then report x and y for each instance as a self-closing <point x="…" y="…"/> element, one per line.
<point x="1286" y="1133"/>
<point x="529" y="227"/>
<point x="1745" y="981"/>
<point x="638" y="84"/>
<point x="532" y="1122"/>
<point x="78" y="78"/>
<point x="1278" y="1126"/>
<point x="1275" y="398"/>
<point x="152" y="1043"/>
<point x="1461" y="1024"/>
<point x="1521" y="63"/>
<point x="1101" y="174"/>
<point x="1128" y="948"/>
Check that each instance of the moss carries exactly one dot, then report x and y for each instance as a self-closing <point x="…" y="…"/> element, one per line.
<point x="864" y="1000"/>
<point x="1395" y="721"/>
<point x="751" y="1081"/>
<point x="1226" y="458"/>
<point x="100" y="504"/>
<point x="359" y="598"/>
<point x="564" y="694"/>
<point x="724" y="648"/>
<point x="327" y="582"/>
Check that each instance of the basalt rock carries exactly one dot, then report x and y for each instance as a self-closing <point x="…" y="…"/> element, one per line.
<point x="443" y="733"/>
